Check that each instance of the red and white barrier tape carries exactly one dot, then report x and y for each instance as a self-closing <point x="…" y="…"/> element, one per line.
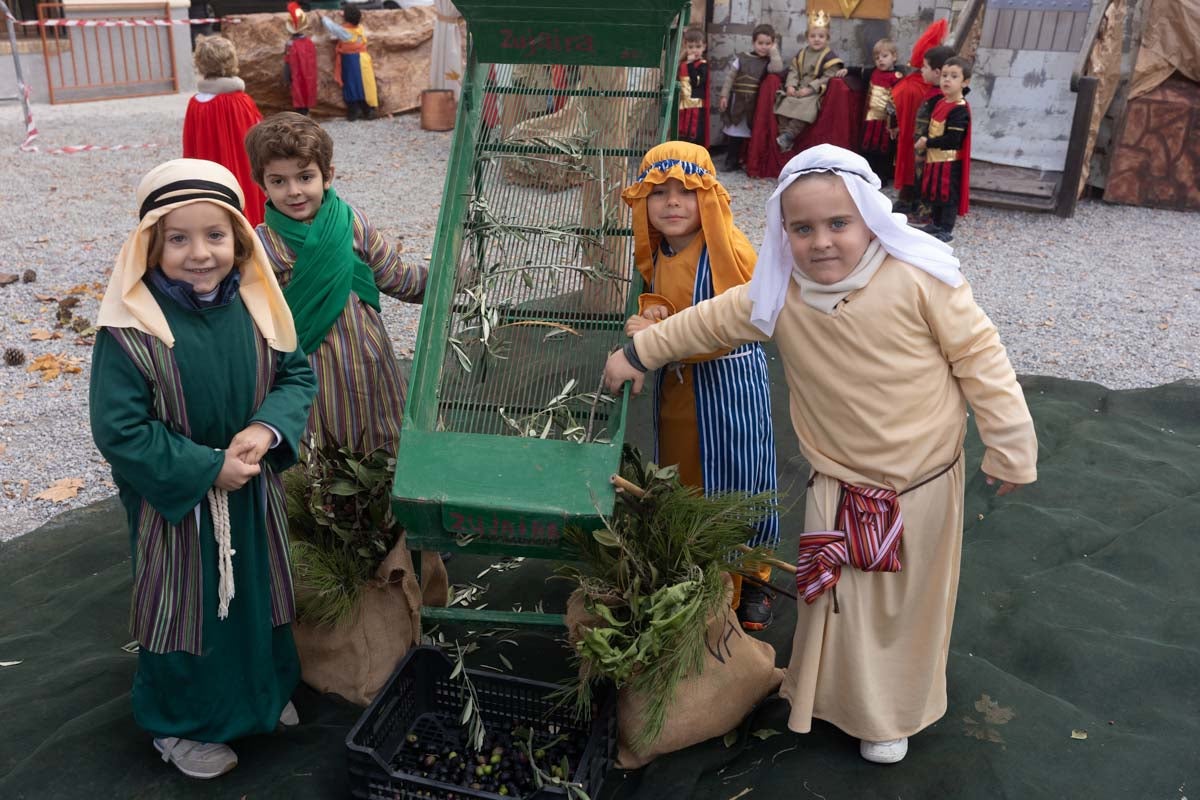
<point x="31" y="133"/>
<point x="115" y="23"/>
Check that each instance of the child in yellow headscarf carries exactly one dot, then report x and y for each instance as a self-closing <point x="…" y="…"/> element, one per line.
<point x="712" y="413"/>
<point x="198" y="400"/>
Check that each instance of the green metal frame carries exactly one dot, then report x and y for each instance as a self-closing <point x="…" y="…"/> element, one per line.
<point x="461" y="494"/>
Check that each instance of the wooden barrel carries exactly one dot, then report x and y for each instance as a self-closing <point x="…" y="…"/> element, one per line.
<point x="438" y="108"/>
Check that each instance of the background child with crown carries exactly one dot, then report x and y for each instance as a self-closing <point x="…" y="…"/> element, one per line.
<point x="809" y="73"/>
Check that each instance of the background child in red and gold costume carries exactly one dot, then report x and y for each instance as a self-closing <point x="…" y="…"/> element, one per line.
<point x="693" y="89"/>
<point x="945" y="184"/>
<point x="300" y="61"/>
<point x="907" y="96"/>
<point x="879" y="126"/>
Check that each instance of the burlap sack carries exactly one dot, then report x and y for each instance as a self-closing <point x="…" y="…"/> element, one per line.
<point x="355" y="658"/>
<point x="739" y="671"/>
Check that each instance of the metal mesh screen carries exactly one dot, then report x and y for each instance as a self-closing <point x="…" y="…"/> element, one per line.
<point x="545" y="269"/>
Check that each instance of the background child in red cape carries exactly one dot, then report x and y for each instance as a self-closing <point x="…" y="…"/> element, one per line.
<point x="218" y="117"/>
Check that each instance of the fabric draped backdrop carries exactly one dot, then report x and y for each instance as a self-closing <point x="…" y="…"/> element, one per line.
<point x="446" y="61"/>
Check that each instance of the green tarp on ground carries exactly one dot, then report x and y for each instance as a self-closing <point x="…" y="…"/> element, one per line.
<point x="1078" y="615"/>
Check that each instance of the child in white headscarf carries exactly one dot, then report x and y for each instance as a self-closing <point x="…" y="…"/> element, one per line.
<point x="883" y="347"/>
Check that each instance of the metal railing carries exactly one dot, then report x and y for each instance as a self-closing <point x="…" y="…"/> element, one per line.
<point x="130" y="56"/>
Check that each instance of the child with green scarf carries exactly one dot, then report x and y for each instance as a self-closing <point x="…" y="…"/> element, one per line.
<point x="332" y="264"/>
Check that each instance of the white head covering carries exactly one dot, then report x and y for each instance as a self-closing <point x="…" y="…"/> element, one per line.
<point x="768" y="287"/>
<point x="128" y="302"/>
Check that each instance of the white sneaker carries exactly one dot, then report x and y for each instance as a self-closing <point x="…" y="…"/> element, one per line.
<point x="288" y="718"/>
<point x="888" y="752"/>
<point x="197" y="759"/>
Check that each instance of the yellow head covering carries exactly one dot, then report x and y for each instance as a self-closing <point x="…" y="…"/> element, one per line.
<point x="128" y="302"/>
<point x="731" y="257"/>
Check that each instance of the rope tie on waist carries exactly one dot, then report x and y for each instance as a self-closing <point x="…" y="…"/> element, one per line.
<point x="218" y="506"/>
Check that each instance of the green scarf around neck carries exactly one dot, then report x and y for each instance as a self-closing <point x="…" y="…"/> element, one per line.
<point x="327" y="268"/>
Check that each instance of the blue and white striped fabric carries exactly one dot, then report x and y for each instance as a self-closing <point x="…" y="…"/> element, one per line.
<point x="689" y="168"/>
<point x="733" y="413"/>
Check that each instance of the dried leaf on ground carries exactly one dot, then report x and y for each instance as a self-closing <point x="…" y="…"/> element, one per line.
<point x="992" y="711"/>
<point x="765" y="733"/>
<point x="53" y="365"/>
<point x="43" y="335"/>
<point x="61" y="490"/>
<point x="8" y="277"/>
<point x="1078" y="734"/>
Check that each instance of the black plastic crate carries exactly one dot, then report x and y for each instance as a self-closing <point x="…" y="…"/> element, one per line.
<point x="421" y="698"/>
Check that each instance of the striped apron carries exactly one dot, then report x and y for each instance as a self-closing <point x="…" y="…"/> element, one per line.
<point x="733" y="414"/>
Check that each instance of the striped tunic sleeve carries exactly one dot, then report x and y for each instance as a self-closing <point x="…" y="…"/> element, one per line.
<point x="392" y="276"/>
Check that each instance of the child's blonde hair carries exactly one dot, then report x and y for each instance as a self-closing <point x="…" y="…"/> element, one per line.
<point x="215" y="57"/>
<point x="885" y="44"/>
<point x="243" y="243"/>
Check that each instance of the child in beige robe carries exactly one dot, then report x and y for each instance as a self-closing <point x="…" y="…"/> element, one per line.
<point x="883" y="349"/>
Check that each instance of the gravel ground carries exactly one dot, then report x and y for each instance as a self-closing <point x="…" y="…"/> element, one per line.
<point x="1111" y="295"/>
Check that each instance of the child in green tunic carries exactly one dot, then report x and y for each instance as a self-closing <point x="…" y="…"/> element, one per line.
<point x="198" y="401"/>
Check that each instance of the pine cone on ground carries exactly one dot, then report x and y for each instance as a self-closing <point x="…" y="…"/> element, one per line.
<point x="29" y="276"/>
<point x="14" y="356"/>
<point x="80" y="324"/>
<point x="64" y="310"/>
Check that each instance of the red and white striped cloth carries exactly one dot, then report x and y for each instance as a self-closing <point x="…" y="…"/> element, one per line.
<point x="112" y="23"/>
<point x="870" y="526"/>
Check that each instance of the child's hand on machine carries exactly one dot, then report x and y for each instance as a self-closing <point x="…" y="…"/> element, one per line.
<point x="252" y="443"/>
<point x="805" y="92"/>
<point x="724" y="103"/>
<point x="841" y="73"/>
<point x="791" y="91"/>
<point x="921" y="144"/>
<point x="617" y="370"/>
<point x="235" y="473"/>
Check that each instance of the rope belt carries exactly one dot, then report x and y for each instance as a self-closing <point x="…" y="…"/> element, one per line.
<point x="218" y="506"/>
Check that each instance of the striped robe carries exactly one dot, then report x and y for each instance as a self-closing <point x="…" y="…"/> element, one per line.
<point x="712" y="415"/>
<point x="360" y="393"/>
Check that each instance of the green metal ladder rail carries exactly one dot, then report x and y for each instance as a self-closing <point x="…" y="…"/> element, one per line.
<point x="430" y="522"/>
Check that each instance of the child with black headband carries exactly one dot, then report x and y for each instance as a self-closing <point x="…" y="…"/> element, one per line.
<point x="198" y="400"/>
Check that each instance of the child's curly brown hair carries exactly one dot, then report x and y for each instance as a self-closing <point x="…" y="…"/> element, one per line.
<point x="289" y="135"/>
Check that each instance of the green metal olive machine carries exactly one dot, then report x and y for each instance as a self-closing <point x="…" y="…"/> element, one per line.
<point x="507" y="437"/>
